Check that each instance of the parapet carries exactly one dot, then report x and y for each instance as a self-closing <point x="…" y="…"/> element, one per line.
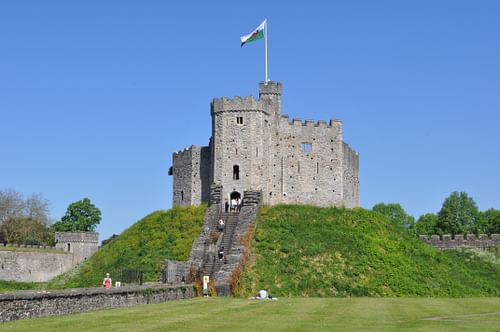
<point x="470" y="240"/>
<point x="27" y="246"/>
<point x="236" y="104"/>
<point x="192" y="148"/>
<point x="88" y="237"/>
<point x="296" y="122"/>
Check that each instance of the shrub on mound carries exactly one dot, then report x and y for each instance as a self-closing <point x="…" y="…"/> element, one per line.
<point x="310" y="251"/>
<point x="159" y="236"/>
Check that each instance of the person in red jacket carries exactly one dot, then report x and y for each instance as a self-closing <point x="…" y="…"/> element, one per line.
<point x="106" y="283"/>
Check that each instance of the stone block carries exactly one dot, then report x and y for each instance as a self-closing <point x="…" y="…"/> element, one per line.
<point x="471" y="237"/>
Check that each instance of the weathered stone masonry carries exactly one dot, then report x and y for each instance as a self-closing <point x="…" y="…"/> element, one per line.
<point x="30" y="264"/>
<point x="23" y="305"/>
<point x="255" y="148"/>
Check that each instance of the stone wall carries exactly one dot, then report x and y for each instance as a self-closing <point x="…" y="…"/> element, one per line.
<point x="448" y="242"/>
<point x="33" y="266"/>
<point x="182" y="177"/>
<point x="23" y="305"/>
<point x="306" y="163"/>
<point x="350" y="177"/>
<point x="191" y="176"/>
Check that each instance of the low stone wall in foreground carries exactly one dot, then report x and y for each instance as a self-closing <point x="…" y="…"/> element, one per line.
<point x="31" y="304"/>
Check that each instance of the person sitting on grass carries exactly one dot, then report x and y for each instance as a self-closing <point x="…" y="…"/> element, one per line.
<point x="263" y="295"/>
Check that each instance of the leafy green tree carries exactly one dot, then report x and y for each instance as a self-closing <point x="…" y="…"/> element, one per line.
<point x="426" y="224"/>
<point x="489" y="221"/>
<point x="80" y="216"/>
<point x="458" y="215"/>
<point x="396" y="213"/>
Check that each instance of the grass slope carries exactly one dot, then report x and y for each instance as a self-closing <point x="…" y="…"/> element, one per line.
<point x="159" y="236"/>
<point x="311" y="251"/>
<point x="287" y="314"/>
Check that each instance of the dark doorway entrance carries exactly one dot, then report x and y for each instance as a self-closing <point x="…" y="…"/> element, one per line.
<point x="235" y="201"/>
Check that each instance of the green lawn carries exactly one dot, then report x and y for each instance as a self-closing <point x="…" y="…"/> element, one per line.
<point x="287" y="314"/>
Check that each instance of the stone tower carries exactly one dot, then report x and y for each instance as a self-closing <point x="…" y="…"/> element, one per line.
<point x="81" y="244"/>
<point x="254" y="147"/>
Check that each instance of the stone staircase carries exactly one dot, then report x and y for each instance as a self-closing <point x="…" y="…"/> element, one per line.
<point x="212" y="264"/>
<point x="203" y="259"/>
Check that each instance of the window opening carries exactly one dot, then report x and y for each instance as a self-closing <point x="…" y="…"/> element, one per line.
<point x="239" y="120"/>
<point x="306" y="147"/>
<point x="236" y="172"/>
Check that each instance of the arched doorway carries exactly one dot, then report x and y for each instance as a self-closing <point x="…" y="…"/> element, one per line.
<point x="235" y="195"/>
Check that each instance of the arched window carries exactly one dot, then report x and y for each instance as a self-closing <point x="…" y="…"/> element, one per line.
<point x="236" y="172"/>
<point x="69" y="247"/>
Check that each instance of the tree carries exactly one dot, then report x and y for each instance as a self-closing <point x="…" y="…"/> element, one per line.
<point x="396" y="213"/>
<point x="80" y="216"/>
<point x="458" y="215"/>
<point x="489" y="221"/>
<point x="24" y="230"/>
<point x="24" y="221"/>
<point x="426" y="224"/>
<point x="11" y="204"/>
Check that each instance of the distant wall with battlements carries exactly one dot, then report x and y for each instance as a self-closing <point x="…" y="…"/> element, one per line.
<point x="33" y="266"/>
<point x="37" y="264"/>
<point x="482" y="241"/>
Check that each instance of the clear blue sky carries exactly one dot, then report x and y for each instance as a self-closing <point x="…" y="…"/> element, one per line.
<point x="96" y="95"/>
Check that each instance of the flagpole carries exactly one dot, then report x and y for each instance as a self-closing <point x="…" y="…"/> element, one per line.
<point x="265" y="30"/>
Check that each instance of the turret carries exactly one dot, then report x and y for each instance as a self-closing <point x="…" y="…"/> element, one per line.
<point x="270" y="95"/>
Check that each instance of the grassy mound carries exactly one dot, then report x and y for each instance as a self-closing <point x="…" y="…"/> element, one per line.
<point x="158" y="236"/>
<point x="311" y="251"/>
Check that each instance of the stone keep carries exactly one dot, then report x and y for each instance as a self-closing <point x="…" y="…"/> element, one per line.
<point x="254" y="147"/>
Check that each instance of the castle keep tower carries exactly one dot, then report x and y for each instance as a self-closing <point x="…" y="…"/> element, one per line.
<point x="254" y="147"/>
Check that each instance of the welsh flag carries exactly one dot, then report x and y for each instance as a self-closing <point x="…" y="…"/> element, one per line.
<point x="255" y="35"/>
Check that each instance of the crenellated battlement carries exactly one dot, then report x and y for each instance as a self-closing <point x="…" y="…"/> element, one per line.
<point x="296" y="122"/>
<point x="248" y="103"/>
<point x="482" y="241"/>
<point x="28" y="246"/>
<point x="187" y="150"/>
